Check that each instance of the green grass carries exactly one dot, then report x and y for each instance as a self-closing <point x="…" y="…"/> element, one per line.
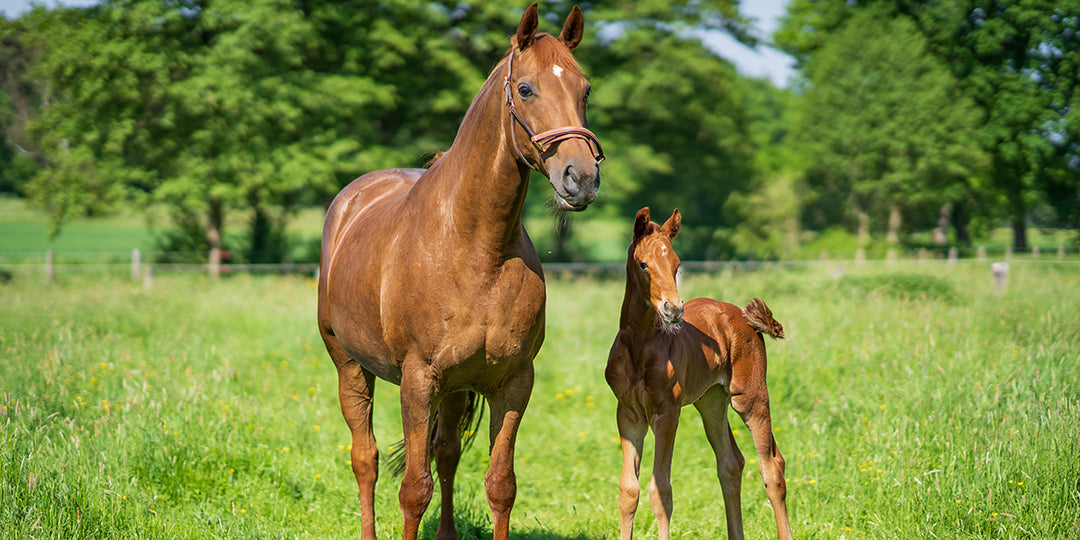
<point x="912" y="401"/>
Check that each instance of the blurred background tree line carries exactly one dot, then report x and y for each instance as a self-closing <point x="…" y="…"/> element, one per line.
<point x="905" y="117"/>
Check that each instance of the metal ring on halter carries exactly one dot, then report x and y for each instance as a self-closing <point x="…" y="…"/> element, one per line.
<point x="543" y="141"/>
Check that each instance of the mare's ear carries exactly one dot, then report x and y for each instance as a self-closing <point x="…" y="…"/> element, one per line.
<point x="526" y="31"/>
<point x="641" y="224"/>
<point x="671" y="226"/>
<point x="573" y="29"/>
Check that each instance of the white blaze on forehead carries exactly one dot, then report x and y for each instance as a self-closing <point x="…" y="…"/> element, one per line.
<point x="557" y="70"/>
<point x="663" y="250"/>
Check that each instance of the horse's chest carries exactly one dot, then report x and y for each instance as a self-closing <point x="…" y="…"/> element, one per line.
<point x="515" y="312"/>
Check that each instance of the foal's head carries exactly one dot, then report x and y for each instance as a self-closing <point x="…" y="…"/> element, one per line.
<point x="547" y="90"/>
<point x="653" y="268"/>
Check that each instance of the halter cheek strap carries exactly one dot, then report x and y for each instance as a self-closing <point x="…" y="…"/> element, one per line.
<point x="545" y="139"/>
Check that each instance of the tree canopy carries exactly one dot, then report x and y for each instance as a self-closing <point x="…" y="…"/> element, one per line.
<point x="905" y="111"/>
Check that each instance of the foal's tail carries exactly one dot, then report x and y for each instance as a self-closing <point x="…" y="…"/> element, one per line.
<point x="468" y="426"/>
<point x="760" y="318"/>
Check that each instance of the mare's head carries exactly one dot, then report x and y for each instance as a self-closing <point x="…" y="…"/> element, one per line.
<point x="653" y="268"/>
<point x="546" y="93"/>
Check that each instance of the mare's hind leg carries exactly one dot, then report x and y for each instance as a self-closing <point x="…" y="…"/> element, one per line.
<point x="356" y="388"/>
<point x="447" y="454"/>
<point x="507" y="406"/>
<point x="729" y="460"/>
<point x="754" y="410"/>
<point x="632" y="430"/>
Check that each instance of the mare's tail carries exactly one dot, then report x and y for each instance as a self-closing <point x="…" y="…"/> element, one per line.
<point x="760" y="318"/>
<point x="470" y="422"/>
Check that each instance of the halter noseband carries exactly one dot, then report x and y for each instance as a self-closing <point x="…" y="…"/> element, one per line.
<point x="544" y="140"/>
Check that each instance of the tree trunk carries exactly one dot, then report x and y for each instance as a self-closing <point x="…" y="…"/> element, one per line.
<point x="960" y="221"/>
<point x="894" y="225"/>
<point x="214" y="224"/>
<point x="941" y="232"/>
<point x="864" y="229"/>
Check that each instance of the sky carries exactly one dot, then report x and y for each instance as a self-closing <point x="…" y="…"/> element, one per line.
<point x="764" y="62"/>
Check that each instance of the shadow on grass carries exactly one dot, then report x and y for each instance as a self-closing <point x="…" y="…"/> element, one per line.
<point x="472" y="524"/>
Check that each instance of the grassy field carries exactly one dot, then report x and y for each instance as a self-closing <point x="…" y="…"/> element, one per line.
<point x="911" y="401"/>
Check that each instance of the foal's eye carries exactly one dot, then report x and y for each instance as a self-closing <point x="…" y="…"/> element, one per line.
<point x="644" y="265"/>
<point x="524" y="91"/>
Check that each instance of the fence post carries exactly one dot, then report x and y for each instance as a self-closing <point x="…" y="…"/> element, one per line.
<point x="1035" y="252"/>
<point x="148" y="278"/>
<point x="136" y="264"/>
<point x="981" y="255"/>
<point x="953" y="255"/>
<point x="49" y="266"/>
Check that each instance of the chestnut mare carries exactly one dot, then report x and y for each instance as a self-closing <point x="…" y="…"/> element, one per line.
<point x="668" y="355"/>
<point x="428" y="279"/>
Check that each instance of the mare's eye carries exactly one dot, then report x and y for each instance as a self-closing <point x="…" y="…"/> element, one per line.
<point x="644" y="265"/>
<point x="524" y="91"/>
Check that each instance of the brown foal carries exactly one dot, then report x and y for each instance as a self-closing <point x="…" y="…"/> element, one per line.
<point x="706" y="353"/>
<point x="428" y="279"/>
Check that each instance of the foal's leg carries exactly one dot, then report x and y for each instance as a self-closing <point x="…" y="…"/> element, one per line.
<point x="356" y="388"/>
<point x="447" y="455"/>
<point x="417" y="389"/>
<point x="632" y="430"/>
<point x="754" y="410"/>
<point x="729" y="460"/>
<point x="665" y="421"/>
<point x="507" y="406"/>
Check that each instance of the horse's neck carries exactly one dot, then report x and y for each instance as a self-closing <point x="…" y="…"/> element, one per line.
<point x="479" y="180"/>
<point x="637" y="317"/>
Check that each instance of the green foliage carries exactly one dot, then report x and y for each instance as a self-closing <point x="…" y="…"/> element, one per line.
<point x="886" y="126"/>
<point x="1016" y="62"/>
<point x="901" y="414"/>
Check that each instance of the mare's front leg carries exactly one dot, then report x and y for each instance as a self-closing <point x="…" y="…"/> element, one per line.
<point x="417" y="486"/>
<point x="507" y="406"/>
<point x="664" y="422"/>
<point x="356" y="389"/>
<point x="754" y="410"/>
<point x="632" y="429"/>
<point x="729" y="460"/>
<point x="447" y="455"/>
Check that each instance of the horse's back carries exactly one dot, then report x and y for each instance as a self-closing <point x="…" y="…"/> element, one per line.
<point x="375" y="193"/>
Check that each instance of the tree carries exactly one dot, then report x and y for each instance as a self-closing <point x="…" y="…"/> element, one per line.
<point x="889" y="133"/>
<point x="670" y="115"/>
<point x="1016" y="61"/>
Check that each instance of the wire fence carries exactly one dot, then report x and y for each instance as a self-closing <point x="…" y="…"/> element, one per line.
<point x="142" y="267"/>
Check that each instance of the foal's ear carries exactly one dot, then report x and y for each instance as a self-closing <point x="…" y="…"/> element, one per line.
<point x="641" y="224"/>
<point x="573" y="29"/>
<point x="526" y="31"/>
<point x="671" y="226"/>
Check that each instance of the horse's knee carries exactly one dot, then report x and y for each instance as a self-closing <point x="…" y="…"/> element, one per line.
<point x="629" y="493"/>
<point x="365" y="463"/>
<point x="730" y="469"/>
<point x="415" y="494"/>
<point x="501" y="490"/>
<point x="660" y="491"/>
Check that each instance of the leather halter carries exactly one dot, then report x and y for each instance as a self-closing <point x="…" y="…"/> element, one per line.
<point x="544" y="140"/>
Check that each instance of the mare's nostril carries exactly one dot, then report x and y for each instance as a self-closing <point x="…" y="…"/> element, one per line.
<point x="569" y="182"/>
